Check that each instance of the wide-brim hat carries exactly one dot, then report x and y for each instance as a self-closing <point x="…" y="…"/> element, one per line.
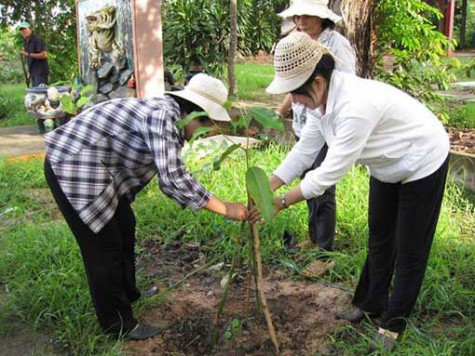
<point x="23" y="24"/>
<point x="318" y="8"/>
<point x="208" y="93"/>
<point x="295" y="59"/>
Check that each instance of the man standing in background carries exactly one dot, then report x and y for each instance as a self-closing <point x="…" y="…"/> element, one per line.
<point x="34" y="50"/>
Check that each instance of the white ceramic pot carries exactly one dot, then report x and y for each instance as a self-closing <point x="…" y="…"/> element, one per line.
<point x="41" y="106"/>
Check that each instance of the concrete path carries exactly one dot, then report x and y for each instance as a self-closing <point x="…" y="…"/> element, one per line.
<point x="25" y="140"/>
<point x="20" y="140"/>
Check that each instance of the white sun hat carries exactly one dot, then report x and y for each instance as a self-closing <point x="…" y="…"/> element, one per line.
<point x="318" y="8"/>
<point x="208" y="93"/>
<point x="295" y="59"/>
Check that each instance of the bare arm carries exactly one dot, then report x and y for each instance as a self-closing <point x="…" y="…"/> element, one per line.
<point x="233" y="211"/>
<point x="285" y="106"/>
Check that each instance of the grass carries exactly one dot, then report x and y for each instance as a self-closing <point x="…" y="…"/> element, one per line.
<point x="463" y="116"/>
<point x="12" y="96"/>
<point x="42" y="271"/>
<point x="252" y="79"/>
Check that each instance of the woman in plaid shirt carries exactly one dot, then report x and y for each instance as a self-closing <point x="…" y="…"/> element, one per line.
<point x="99" y="161"/>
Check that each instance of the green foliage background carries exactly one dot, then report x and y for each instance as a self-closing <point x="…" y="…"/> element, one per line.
<point x="55" y="22"/>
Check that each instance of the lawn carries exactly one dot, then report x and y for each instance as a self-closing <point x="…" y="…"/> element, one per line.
<point x="44" y="285"/>
<point x="41" y="269"/>
<point x="12" y="106"/>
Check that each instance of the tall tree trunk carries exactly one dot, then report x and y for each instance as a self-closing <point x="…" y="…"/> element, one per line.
<point x="357" y="28"/>
<point x="463" y="25"/>
<point x="232" y="47"/>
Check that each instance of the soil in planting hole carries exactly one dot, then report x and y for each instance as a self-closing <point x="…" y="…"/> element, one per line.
<point x="302" y="310"/>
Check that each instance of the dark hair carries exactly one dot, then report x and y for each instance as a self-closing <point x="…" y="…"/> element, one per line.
<point x="324" y="67"/>
<point x="327" y="23"/>
<point x="185" y="105"/>
<point x="189" y="107"/>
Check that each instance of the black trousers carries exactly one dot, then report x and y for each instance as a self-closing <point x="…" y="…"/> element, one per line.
<point x="402" y="224"/>
<point x="108" y="258"/>
<point x="36" y="80"/>
<point x="322" y="212"/>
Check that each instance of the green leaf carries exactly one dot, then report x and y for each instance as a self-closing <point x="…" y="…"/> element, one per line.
<point x="259" y="189"/>
<point x="228" y="104"/>
<point x="88" y="89"/>
<point x="200" y="131"/>
<point x="190" y="117"/>
<point x="229" y="150"/>
<point x="68" y="104"/>
<point x="267" y="118"/>
<point x="83" y="101"/>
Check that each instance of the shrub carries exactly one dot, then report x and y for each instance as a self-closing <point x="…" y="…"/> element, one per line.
<point x="6" y="105"/>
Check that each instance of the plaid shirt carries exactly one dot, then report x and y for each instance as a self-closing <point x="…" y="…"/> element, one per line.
<point x="114" y="149"/>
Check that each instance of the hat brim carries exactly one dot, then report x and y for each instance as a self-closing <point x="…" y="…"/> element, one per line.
<point x="215" y="111"/>
<point x="301" y="10"/>
<point x="282" y="86"/>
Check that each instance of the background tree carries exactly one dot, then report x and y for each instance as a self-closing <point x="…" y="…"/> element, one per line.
<point x="232" y="46"/>
<point x="55" y="22"/>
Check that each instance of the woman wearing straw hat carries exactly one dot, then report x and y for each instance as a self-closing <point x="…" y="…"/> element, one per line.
<point x="315" y="19"/>
<point x="96" y="164"/>
<point x="406" y="151"/>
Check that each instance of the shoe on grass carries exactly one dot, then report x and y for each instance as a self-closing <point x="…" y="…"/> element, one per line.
<point x="150" y="292"/>
<point x="354" y="315"/>
<point x="384" y="340"/>
<point x="142" y="332"/>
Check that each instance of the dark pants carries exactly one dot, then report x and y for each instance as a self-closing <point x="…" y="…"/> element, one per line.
<point x="322" y="212"/>
<point x="36" y="80"/>
<point x="402" y="223"/>
<point x="108" y="258"/>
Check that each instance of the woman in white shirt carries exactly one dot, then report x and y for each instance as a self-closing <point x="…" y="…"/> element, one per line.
<point x="405" y="149"/>
<point x="315" y="19"/>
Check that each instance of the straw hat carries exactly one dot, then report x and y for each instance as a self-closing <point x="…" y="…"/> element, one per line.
<point x="208" y="93"/>
<point x="318" y="8"/>
<point x="295" y="59"/>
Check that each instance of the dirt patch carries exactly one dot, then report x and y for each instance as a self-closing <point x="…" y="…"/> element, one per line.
<point x="302" y="311"/>
<point x="462" y="140"/>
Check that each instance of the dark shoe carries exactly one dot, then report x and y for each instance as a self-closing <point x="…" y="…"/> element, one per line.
<point x="382" y="342"/>
<point x="150" y="292"/>
<point x="355" y="315"/>
<point x="288" y="242"/>
<point x="143" y="332"/>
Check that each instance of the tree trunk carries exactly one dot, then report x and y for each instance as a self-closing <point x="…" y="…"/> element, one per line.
<point x="463" y="25"/>
<point x="357" y="28"/>
<point x="232" y="47"/>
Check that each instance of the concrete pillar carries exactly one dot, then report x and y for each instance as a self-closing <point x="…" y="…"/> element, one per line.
<point x="148" y="48"/>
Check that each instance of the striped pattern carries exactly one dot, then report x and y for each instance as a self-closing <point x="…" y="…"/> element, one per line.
<point x="114" y="149"/>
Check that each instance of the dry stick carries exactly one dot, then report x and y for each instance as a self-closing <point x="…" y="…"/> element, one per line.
<point x="260" y="287"/>
<point x="222" y="301"/>
<point x="253" y="271"/>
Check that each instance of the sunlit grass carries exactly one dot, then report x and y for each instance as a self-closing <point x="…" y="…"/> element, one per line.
<point x="15" y="94"/>
<point x="42" y="270"/>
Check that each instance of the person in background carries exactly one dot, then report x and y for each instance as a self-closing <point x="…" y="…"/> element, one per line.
<point x="406" y="150"/>
<point x="96" y="164"/>
<point x="314" y="18"/>
<point x="34" y="50"/>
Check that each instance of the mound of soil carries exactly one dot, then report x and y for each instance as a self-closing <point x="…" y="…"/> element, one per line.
<point x="302" y="311"/>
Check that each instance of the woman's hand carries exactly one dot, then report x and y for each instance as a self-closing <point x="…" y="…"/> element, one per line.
<point x="236" y="211"/>
<point x="255" y="217"/>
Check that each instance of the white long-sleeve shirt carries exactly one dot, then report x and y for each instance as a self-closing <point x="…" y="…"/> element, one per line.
<point x="345" y="62"/>
<point x="370" y="123"/>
